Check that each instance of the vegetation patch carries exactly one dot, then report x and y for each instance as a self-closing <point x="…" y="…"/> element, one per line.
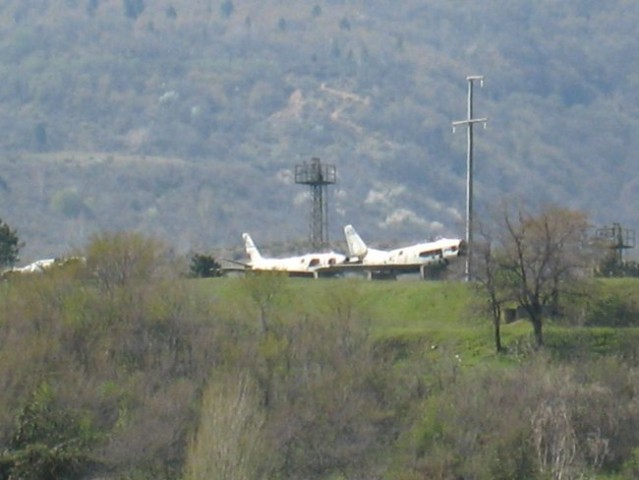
<point x="314" y="379"/>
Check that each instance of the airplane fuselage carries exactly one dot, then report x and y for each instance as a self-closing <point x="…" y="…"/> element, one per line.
<point x="419" y="254"/>
<point x="303" y="264"/>
<point x="412" y="258"/>
<point x="310" y="264"/>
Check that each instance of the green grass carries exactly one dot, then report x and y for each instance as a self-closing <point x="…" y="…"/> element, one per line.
<point x="408" y="316"/>
<point x="394" y="307"/>
<point x="404" y="315"/>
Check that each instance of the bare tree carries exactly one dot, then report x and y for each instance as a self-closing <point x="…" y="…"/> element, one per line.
<point x="121" y="259"/>
<point x="487" y="282"/>
<point x="537" y="258"/>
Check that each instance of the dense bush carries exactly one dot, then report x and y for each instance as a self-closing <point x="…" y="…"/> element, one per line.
<point x="613" y="310"/>
<point x="125" y="353"/>
<point x="541" y="420"/>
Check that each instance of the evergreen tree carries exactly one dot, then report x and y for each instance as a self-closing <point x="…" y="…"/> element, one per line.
<point x="227" y="8"/>
<point x="40" y="137"/>
<point x="205" y="266"/>
<point x="133" y="8"/>
<point x="171" y="12"/>
<point x="9" y="245"/>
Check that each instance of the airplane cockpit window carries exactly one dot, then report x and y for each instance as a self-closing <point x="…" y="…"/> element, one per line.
<point x="314" y="262"/>
<point x="431" y="253"/>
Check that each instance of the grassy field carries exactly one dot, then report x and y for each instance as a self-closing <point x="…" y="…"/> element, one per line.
<point x="411" y="315"/>
<point x="404" y="315"/>
<point x="395" y="307"/>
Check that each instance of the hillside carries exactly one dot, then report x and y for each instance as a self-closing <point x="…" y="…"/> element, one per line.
<point x="185" y="119"/>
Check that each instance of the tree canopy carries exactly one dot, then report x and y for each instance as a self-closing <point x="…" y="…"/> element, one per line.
<point x="204" y="266"/>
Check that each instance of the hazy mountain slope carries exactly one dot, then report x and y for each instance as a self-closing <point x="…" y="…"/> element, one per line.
<point x="186" y="118"/>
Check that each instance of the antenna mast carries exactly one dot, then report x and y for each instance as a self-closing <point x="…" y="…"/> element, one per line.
<point x="469" y="122"/>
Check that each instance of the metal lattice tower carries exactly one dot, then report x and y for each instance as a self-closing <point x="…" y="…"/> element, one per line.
<point x="318" y="177"/>
<point x="619" y="239"/>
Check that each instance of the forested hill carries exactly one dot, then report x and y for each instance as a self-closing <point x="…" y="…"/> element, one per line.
<point x="183" y="119"/>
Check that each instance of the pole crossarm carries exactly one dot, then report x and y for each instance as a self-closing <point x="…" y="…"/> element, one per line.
<point x="467" y="122"/>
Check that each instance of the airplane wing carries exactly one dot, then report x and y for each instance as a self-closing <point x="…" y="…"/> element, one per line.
<point x="380" y="271"/>
<point x="236" y="262"/>
<point x="243" y="267"/>
<point x="233" y="266"/>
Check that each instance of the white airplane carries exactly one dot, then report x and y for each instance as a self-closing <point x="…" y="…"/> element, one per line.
<point x="412" y="258"/>
<point x="309" y="265"/>
<point x="39" y="266"/>
<point x="44" y="265"/>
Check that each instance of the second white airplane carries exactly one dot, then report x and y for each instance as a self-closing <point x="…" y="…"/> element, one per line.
<point x="412" y="258"/>
<point x="309" y="265"/>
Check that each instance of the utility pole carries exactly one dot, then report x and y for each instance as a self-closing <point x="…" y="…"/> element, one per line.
<point x="469" y="122"/>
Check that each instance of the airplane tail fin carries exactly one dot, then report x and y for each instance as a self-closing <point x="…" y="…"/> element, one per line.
<point x="356" y="246"/>
<point x="251" y="249"/>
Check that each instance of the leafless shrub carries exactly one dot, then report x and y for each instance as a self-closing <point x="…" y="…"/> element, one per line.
<point x="229" y="444"/>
